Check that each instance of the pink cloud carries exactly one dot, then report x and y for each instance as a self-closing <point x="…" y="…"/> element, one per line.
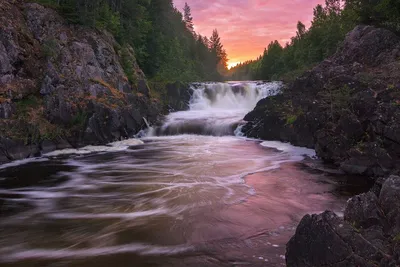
<point x="246" y="27"/>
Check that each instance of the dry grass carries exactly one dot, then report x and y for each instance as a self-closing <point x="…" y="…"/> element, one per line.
<point x="115" y="92"/>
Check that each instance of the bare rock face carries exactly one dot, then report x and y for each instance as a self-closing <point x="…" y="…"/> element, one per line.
<point x="369" y="234"/>
<point x="389" y="200"/>
<point x="65" y="82"/>
<point x="347" y="107"/>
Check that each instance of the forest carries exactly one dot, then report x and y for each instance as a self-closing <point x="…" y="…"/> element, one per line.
<point x="308" y="47"/>
<point x="166" y="46"/>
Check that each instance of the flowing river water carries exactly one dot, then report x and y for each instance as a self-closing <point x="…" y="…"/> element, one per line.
<point x="193" y="192"/>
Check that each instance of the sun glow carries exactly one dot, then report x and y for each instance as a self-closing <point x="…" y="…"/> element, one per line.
<point x="232" y="64"/>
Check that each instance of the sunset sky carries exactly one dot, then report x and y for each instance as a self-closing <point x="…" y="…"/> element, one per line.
<point x="247" y="26"/>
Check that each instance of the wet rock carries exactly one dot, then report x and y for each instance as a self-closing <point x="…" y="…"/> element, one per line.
<point x="363" y="211"/>
<point x="176" y="96"/>
<point x="13" y="149"/>
<point x="326" y="240"/>
<point x="367" y="236"/>
<point x="6" y="110"/>
<point x="47" y="146"/>
<point x="389" y="200"/>
<point x="371" y="160"/>
<point x="143" y="88"/>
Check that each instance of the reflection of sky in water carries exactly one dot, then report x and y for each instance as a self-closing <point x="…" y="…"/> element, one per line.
<point x="159" y="200"/>
<point x="164" y="197"/>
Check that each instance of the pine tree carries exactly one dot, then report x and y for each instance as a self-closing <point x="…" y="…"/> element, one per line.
<point x="219" y="52"/>
<point x="301" y="29"/>
<point x="164" y="42"/>
<point x="187" y="18"/>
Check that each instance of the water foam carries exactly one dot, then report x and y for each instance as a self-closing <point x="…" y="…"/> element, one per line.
<point x="112" y="147"/>
<point x="53" y="254"/>
<point x="217" y="108"/>
<point x="16" y="163"/>
<point x="295" y="152"/>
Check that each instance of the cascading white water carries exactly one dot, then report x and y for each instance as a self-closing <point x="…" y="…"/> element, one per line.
<point x="217" y="108"/>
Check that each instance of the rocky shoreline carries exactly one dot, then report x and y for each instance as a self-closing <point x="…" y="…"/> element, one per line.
<point x="348" y="109"/>
<point x="368" y="235"/>
<point x="65" y="85"/>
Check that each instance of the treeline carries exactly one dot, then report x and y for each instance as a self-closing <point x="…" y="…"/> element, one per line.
<point x="328" y="28"/>
<point x="165" y="43"/>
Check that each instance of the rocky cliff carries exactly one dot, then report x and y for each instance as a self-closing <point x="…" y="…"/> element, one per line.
<point x="347" y="107"/>
<point x="65" y="85"/>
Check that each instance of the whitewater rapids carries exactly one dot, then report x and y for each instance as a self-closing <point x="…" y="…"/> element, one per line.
<point x="216" y="109"/>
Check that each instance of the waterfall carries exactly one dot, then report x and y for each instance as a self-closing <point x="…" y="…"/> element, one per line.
<point x="217" y="108"/>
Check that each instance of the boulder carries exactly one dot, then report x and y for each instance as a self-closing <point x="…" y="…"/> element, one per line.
<point x="368" y="235"/>
<point x="363" y="211"/>
<point x="327" y="240"/>
<point x="389" y="200"/>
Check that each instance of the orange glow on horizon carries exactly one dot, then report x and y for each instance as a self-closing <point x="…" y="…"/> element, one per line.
<point x="232" y="64"/>
<point x="246" y="27"/>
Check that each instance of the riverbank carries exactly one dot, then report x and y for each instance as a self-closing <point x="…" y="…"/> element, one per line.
<point x="68" y="86"/>
<point x="347" y="108"/>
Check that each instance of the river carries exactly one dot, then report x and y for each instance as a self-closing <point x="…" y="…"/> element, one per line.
<point x="191" y="192"/>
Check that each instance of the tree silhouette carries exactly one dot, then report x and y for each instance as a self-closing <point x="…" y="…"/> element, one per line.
<point x="217" y="49"/>
<point x="187" y="18"/>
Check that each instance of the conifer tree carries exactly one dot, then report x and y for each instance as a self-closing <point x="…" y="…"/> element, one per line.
<point x="219" y="52"/>
<point x="187" y="18"/>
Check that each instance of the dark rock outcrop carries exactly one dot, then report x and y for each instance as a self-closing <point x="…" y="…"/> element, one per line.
<point x="347" y="107"/>
<point x="65" y="84"/>
<point x="368" y="235"/>
<point x="174" y="96"/>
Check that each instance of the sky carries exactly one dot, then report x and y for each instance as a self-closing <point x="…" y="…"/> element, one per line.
<point x="246" y="27"/>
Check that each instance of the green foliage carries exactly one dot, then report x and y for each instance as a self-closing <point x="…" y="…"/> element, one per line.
<point x="336" y="99"/>
<point x="384" y="13"/>
<point x="47" y="3"/>
<point x="396" y="239"/>
<point x="108" y="20"/>
<point x="49" y="48"/>
<point x="218" y="51"/>
<point x="29" y="122"/>
<point x="365" y="77"/>
<point x="165" y="44"/>
<point x="30" y="102"/>
<point x="187" y="17"/>
<point x="355" y="227"/>
<point x="292" y="75"/>
<point x="291" y="119"/>
<point x="310" y="46"/>
<point x="79" y="119"/>
<point x="127" y="65"/>
<point x="290" y="112"/>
